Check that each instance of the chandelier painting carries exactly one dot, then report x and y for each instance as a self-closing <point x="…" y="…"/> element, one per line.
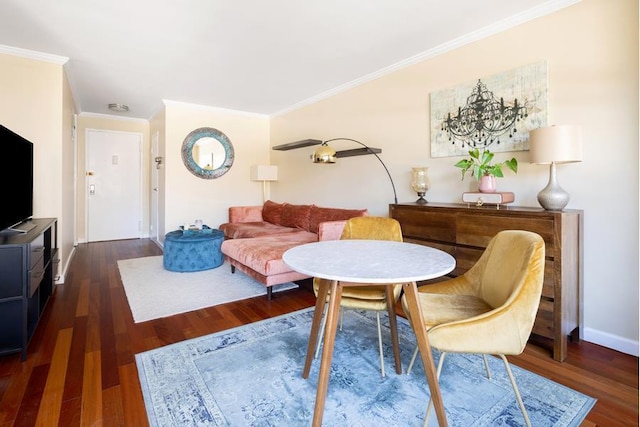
<point x="483" y="119"/>
<point x="495" y="112"/>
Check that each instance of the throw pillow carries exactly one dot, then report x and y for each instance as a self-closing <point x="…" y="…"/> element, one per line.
<point x="319" y="214"/>
<point x="272" y="212"/>
<point x="296" y="216"/>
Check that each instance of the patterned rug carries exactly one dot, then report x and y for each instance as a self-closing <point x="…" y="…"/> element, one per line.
<point x="251" y="376"/>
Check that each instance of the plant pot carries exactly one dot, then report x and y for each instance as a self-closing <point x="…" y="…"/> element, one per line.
<point x="487" y="184"/>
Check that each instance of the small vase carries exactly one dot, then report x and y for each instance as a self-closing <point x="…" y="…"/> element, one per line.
<point x="487" y="184"/>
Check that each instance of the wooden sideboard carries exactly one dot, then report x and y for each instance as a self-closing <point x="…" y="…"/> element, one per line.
<point x="465" y="230"/>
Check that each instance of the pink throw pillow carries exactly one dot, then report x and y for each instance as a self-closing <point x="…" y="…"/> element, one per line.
<point x="296" y="216"/>
<point x="272" y="212"/>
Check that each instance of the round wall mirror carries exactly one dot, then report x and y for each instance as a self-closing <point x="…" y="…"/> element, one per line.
<point x="207" y="153"/>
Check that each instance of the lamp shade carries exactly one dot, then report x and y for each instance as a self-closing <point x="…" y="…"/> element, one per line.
<point x="557" y="144"/>
<point x="324" y="154"/>
<point x="264" y="173"/>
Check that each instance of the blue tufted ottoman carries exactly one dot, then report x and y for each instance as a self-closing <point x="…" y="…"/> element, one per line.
<point x="192" y="252"/>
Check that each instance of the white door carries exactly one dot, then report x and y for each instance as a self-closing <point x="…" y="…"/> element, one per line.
<point x="114" y="170"/>
<point x="154" y="187"/>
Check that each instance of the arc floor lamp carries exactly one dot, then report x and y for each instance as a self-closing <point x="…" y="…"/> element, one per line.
<point x="326" y="155"/>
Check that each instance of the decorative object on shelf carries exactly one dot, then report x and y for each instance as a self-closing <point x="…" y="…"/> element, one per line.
<point x="264" y="173"/>
<point x="480" y="199"/>
<point x="481" y="168"/>
<point x="551" y="145"/>
<point x="325" y="154"/>
<point x="207" y="153"/>
<point x="495" y="111"/>
<point x="420" y="182"/>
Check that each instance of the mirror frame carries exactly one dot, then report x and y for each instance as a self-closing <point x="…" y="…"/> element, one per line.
<point x="193" y="167"/>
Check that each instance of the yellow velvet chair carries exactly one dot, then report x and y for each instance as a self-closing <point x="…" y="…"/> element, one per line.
<point x="492" y="307"/>
<point x="368" y="297"/>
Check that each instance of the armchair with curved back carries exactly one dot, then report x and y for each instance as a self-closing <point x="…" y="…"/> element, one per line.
<point x="371" y="297"/>
<point x="492" y="307"/>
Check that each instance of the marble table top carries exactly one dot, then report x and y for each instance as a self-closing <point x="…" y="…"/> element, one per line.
<point x="369" y="261"/>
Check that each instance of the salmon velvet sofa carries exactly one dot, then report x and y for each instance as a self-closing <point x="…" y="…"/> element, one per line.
<point x="257" y="236"/>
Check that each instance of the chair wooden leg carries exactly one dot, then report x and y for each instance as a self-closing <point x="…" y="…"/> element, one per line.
<point x="380" y="345"/>
<point x="515" y="389"/>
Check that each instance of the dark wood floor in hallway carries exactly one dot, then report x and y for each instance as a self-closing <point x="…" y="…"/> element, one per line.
<point x="81" y="370"/>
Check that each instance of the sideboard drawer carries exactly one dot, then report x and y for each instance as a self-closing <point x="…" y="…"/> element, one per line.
<point x="544" y="325"/>
<point x="427" y="225"/>
<point x="477" y="230"/>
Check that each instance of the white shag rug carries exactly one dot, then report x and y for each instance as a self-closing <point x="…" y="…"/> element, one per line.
<point x="154" y="292"/>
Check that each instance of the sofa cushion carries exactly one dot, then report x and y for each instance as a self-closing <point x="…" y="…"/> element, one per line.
<point x="296" y="216"/>
<point x="272" y="212"/>
<point x="319" y="214"/>
<point x="242" y="230"/>
<point x="264" y="254"/>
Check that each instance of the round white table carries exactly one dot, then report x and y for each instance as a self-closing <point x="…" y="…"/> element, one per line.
<point x="366" y="262"/>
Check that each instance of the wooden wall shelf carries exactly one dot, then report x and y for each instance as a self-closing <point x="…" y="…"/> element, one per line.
<point x="339" y="154"/>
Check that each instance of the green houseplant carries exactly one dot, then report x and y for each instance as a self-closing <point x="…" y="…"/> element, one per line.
<point x="479" y="163"/>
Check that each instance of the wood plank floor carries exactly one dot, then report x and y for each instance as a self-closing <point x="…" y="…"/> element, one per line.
<point x="81" y="368"/>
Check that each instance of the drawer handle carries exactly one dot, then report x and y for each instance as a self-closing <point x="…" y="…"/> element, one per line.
<point x="39" y="249"/>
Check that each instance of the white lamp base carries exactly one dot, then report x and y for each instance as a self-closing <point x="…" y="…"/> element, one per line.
<point x="553" y="197"/>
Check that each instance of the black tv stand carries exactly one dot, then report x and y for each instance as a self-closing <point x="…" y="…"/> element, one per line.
<point x="23" y="228"/>
<point x="28" y="264"/>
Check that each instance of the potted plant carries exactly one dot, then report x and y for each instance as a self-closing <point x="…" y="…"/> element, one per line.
<point x="479" y="163"/>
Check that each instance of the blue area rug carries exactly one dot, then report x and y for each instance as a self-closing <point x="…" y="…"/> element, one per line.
<point x="251" y="376"/>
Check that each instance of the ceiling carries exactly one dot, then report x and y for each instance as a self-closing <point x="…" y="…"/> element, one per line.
<point x="255" y="56"/>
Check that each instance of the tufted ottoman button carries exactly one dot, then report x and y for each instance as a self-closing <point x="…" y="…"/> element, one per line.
<point x="192" y="252"/>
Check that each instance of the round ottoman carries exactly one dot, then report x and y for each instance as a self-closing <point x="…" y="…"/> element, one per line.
<point x="192" y="251"/>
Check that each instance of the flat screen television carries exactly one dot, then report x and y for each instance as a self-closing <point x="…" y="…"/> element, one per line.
<point x="16" y="180"/>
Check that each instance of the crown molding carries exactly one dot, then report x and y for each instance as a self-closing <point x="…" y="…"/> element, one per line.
<point x="32" y="54"/>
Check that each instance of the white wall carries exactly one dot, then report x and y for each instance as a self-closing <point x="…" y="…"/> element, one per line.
<point x="188" y="197"/>
<point x="35" y="102"/>
<point x="592" y="54"/>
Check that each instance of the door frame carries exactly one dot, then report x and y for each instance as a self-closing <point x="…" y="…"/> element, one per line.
<point x="86" y="170"/>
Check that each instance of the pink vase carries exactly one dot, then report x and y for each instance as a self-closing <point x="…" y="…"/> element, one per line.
<point x="487" y="184"/>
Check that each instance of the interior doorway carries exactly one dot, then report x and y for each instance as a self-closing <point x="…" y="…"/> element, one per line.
<point x="114" y="185"/>
<point x="155" y="165"/>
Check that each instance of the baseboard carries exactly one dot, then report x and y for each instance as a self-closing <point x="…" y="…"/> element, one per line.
<point x="615" y="342"/>
<point x="65" y="268"/>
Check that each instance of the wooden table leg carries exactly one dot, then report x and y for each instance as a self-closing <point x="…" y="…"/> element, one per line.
<point x="415" y="313"/>
<point x="323" y="290"/>
<point x="393" y="326"/>
<point x="333" y="311"/>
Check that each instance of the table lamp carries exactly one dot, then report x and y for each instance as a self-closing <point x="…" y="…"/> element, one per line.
<point x="264" y="173"/>
<point x="551" y="145"/>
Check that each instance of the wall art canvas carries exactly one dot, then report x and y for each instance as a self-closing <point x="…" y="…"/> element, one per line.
<point x="495" y="112"/>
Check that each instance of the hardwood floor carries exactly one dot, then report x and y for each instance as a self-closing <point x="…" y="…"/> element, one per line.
<point x="81" y="364"/>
